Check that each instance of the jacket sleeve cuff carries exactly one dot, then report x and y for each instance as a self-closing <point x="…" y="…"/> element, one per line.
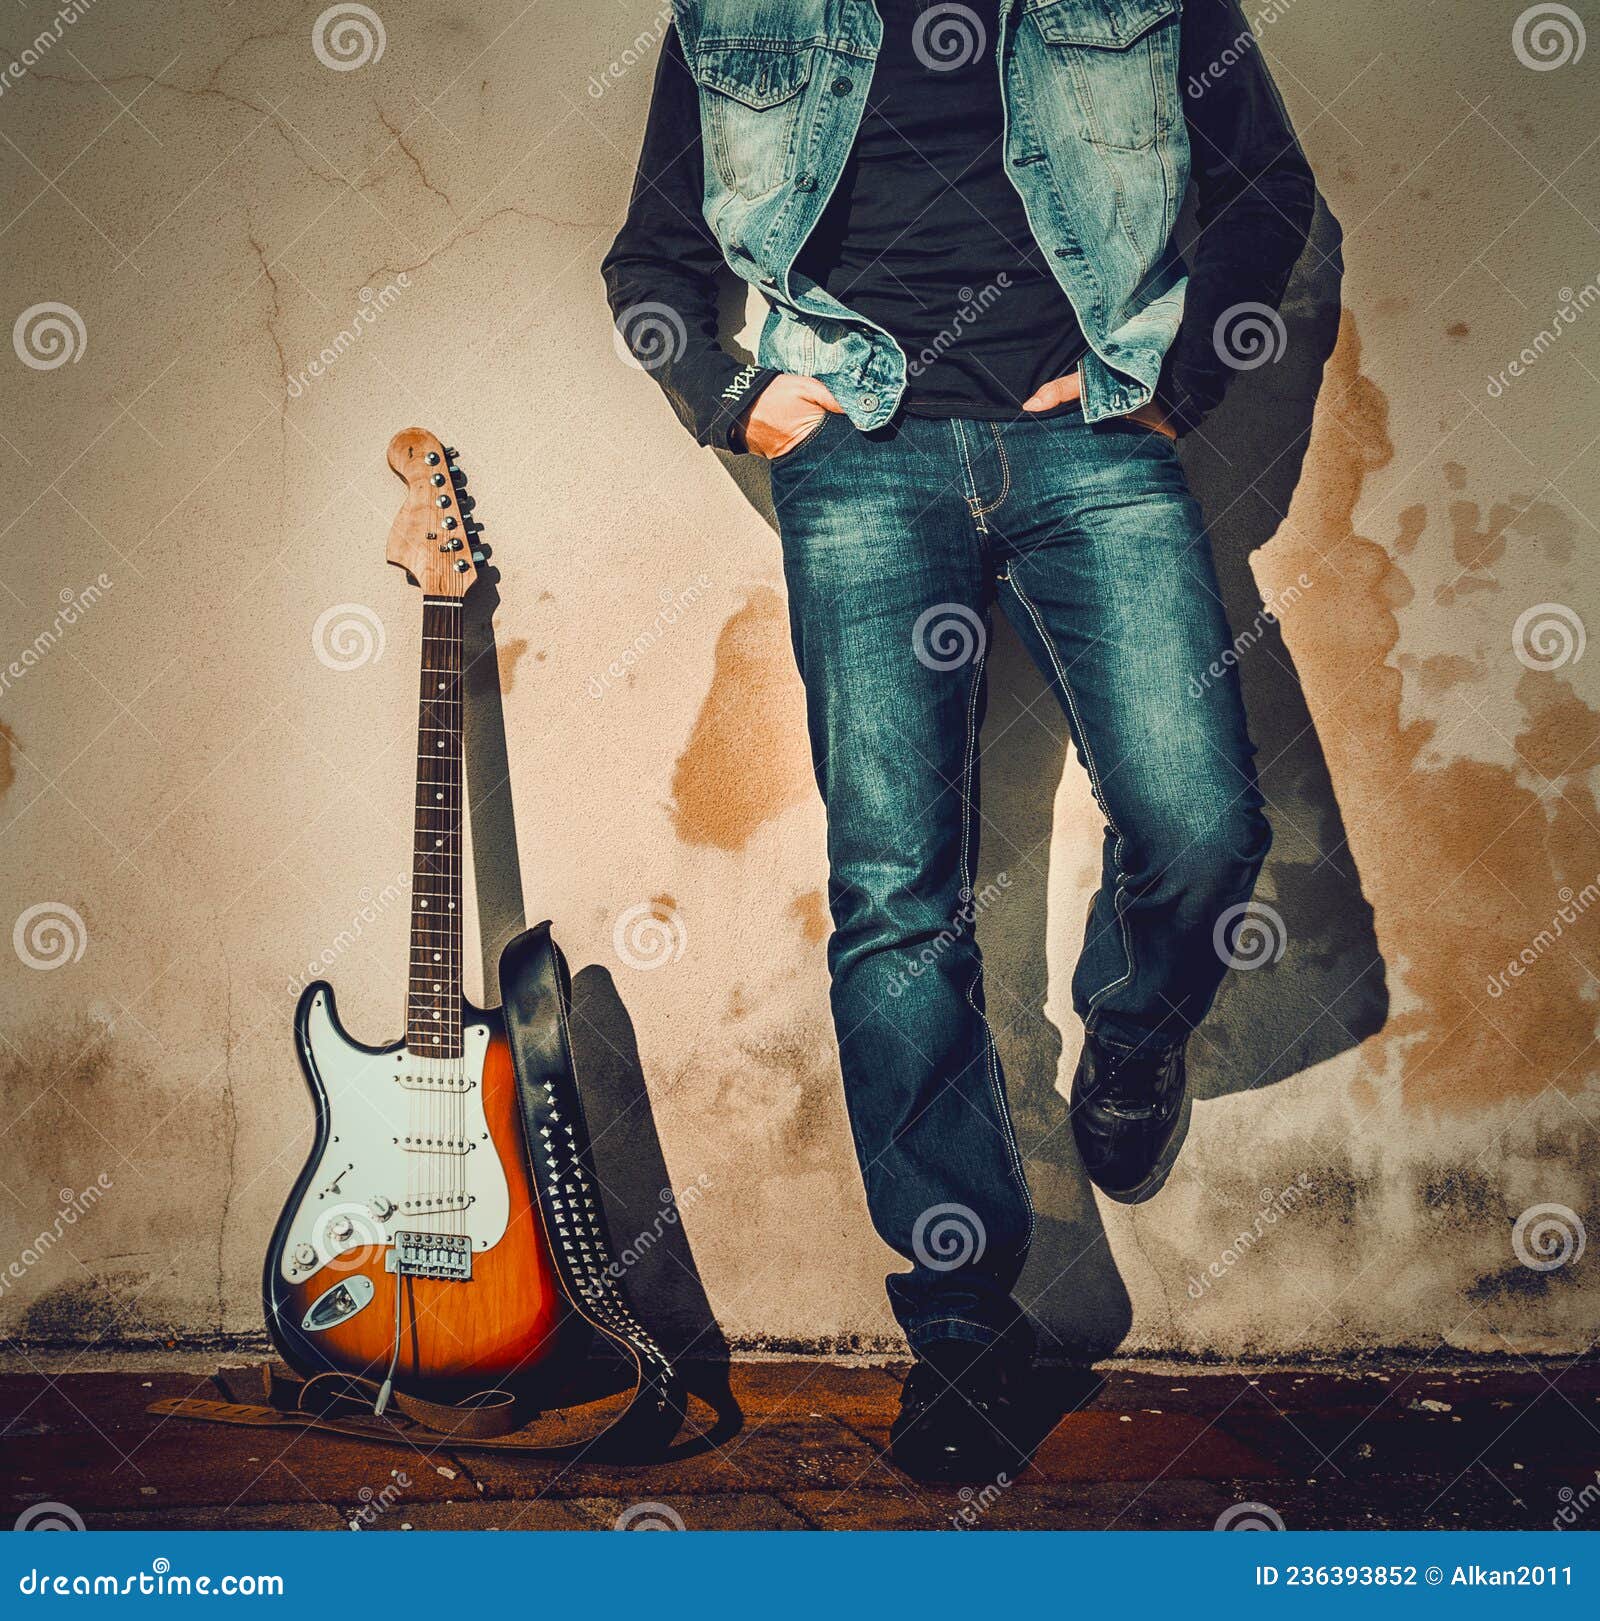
<point x="741" y="391"/>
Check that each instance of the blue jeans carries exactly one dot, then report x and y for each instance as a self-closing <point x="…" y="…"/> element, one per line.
<point x="896" y="544"/>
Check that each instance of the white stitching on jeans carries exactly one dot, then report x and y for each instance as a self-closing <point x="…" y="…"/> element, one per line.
<point x="1117" y="899"/>
<point x="974" y="506"/>
<point x="996" y="1087"/>
<point x="1005" y="477"/>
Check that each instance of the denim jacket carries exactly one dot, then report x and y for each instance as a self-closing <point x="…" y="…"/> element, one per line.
<point x="1098" y="143"/>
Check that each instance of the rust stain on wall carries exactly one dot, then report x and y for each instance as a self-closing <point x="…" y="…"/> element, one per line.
<point x="1466" y="863"/>
<point x="8" y="771"/>
<point x="811" y="909"/>
<point x="747" y="759"/>
<point x="511" y="654"/>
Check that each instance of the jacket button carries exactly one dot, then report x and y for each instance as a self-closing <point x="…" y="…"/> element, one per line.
<point x="843" y="87"/>
<point x="806" y="182"/>
<point x="869" y="402"/>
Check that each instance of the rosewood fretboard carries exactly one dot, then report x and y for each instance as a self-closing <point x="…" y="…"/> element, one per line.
<point x="433" y="1001"/>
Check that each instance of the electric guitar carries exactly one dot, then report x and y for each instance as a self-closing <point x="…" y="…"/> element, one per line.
<point x="411" y="1250"/>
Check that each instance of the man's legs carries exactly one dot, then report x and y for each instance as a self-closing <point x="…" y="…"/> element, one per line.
<point x="1106" y="573"/>
<point x="888" y="589"/>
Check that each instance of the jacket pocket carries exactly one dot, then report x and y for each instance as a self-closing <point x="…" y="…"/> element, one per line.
<point x="1122" y="56"/>
<point x="750" y="106"/>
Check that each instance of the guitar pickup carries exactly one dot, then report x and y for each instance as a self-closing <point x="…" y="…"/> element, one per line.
<point x="431" y="1255"/>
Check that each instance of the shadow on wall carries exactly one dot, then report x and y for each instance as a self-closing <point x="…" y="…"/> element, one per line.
<point x="642" y="1215"/>
<point x="1326" y="992"/>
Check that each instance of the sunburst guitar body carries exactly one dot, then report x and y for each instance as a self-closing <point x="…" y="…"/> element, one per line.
<point x="411" y="1251"/>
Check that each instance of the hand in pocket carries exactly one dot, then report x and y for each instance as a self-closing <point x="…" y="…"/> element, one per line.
<point x="785" y="412"/>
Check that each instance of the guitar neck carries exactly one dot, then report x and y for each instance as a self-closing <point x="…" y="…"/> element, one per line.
<point x="434" y="994"/>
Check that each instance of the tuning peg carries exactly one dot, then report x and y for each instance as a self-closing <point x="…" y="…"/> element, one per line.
<point x="449" y="453"/>
<point x="477" y="557"/>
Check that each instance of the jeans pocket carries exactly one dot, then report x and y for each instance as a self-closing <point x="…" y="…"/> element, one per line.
<point x="800" y="444"/>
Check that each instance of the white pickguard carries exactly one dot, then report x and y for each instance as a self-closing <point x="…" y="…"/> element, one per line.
<point x="404" y="1131"/>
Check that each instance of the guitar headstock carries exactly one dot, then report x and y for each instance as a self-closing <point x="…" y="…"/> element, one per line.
<point x="431" y="536"/>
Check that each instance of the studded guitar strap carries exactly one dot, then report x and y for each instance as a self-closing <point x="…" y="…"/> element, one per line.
<point x="536" y="993"/>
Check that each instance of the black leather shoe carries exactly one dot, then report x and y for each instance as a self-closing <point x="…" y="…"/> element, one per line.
<point x="959" y="1414"/>
<point x="1126" y="1108"/>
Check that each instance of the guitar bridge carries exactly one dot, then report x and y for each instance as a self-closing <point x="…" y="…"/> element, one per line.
<point x="432" y="1255"/>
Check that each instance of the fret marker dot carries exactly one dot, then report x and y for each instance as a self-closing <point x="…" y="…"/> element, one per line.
<point x="436" y="957"/>
<point x="423" y="905"/>
<point x="438" y="796"/>
<point x="438" y="987"/>
<point x="436" y="1041"/>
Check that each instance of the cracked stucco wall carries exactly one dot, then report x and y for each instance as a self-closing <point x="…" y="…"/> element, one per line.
<point x="200" y="801"/>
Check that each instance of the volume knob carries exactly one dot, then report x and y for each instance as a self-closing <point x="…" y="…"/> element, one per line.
<point x="341" y="1229"/>
<point x="382" y="1208"/>
<point x="304" y="1255"/>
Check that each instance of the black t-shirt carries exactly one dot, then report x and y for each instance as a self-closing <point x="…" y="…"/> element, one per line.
<point x="926" y="234"/>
